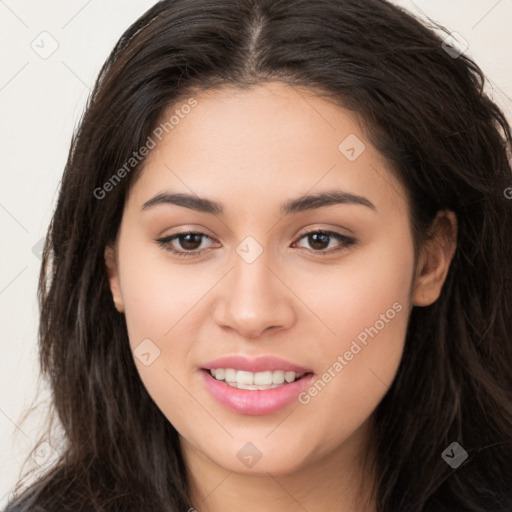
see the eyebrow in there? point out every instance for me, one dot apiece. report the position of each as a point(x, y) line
point(303, 203)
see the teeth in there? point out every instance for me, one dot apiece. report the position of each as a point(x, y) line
point(259, 380)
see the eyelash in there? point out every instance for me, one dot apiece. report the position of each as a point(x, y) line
point(165, 242)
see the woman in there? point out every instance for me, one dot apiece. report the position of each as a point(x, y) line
point(278, 273)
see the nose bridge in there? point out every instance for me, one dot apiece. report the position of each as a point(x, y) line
point(253, 298)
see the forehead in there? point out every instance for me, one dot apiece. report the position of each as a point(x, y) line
point(262, 143)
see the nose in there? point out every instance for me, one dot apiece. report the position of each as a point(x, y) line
point(254, 298)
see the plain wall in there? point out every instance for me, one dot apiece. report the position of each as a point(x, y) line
point(41, 99)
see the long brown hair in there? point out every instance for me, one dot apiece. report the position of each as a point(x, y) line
point(426, 111)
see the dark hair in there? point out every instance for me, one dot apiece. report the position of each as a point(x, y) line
point(426, 111)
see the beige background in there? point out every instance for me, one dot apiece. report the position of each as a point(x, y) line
point(40, 103)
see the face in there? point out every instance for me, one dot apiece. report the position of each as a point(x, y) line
point(324, 285)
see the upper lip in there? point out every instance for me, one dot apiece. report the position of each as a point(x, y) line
point(259, 364)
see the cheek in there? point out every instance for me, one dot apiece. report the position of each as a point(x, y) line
point(161, 301)
point(157, 294)
point(356, 370)
point(154, 302)
point(157, 307)
point(366, 305)
point(350, 296)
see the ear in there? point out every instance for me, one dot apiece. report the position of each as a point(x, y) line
point(435, 258)
point(113, 277)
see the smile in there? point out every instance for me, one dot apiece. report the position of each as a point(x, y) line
point(259, 398)
point(255, 381)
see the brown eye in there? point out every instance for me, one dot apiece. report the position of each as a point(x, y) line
point(319, 241)
point(188, 243)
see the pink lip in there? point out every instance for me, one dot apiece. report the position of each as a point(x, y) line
point(260, 364)
point(255, 402)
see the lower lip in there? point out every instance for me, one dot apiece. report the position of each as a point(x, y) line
point(255, 402)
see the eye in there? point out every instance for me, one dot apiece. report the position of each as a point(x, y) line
point(190, 242)
point(319, 238)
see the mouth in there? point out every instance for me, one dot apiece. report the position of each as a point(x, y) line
point(255, 385)
point(255, 381)
point(255, 399)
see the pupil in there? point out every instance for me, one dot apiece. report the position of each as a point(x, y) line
point(314, 244)
point(187, 241)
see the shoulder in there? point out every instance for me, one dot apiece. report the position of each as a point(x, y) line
point(22, 505)
point(30, 499)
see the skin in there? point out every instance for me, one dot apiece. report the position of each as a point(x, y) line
point(251, 150)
